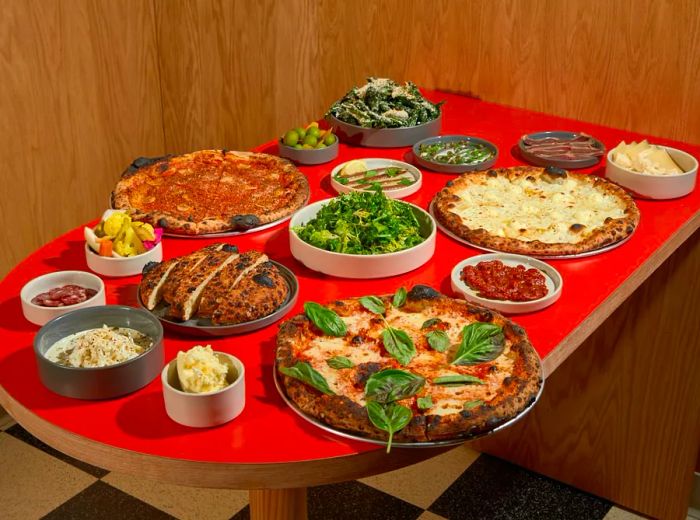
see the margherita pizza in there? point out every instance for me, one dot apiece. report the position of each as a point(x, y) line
point(536, 211)
point(418, 366)
point(211, 191)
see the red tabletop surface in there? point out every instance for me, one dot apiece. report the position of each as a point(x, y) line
point(267, 431)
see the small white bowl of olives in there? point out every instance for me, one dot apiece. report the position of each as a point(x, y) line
point(309, 145)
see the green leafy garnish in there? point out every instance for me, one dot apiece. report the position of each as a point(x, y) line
point(399, 297)
point(325, 319)
point(438, 340)
point(405, 182)
point(392, 172)
point(481, 342)
point(339, 362)
point(392, 384)
point(373, 304)
point(424, 403)
point(473, 404)
point(399, 345)
point(307, 374)
point(371, 173)
point(341, 179)
point(362, 223)
point(429, 323)
point(457, 379)
point(390, 417)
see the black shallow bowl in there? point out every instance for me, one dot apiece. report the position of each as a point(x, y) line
point(203, 327)
point(455, 168)
point(105, 382)
point(559, 163)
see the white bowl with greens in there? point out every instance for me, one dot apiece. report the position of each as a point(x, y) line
point(455, 153)
point(384, 114)
point(362, 235)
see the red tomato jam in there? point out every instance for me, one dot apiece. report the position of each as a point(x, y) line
point(496, 281)
point(62, 296)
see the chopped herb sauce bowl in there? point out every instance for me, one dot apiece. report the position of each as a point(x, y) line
point(480, 155)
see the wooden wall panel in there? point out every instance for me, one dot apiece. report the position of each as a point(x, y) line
point(79, 99)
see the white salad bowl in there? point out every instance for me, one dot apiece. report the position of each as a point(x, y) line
point(209, 408)
point(659, 187)
point(553, 281)
point(122, 266)
point(38, 314)
point(345, 265)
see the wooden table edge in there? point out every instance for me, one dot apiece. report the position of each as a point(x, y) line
point(215, 474)
point(596, 318)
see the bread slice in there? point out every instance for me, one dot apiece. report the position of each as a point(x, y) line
point(259, 293)
point(185, 301)
point(225, 280)
point(153, 279)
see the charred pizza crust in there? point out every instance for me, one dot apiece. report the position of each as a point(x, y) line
point(211, 191)
point(583, 238)
point(345, 411)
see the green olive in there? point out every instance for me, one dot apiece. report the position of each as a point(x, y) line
point(310, 140)
point(313, 130)
point(298, 146)
point(291, 138)
point(320, 145)
point(329, 139)
point(307, 147)
point(300, 132)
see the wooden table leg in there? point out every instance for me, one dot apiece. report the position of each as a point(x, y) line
point(620, 418)
point(278, 504)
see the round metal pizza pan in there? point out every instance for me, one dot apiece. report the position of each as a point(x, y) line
point(205, 328)
point(427, 444)
point(559, 163)
point(594, 252)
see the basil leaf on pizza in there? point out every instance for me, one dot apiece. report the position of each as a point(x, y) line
point(457, 379)
point(473, 404)
point(339, 362)
point(481, 342)
point(307, 374)
point(424, 403)
point(373, 304)
point(325, 319)
point(390, 417)
point(399, 345)
point(430, 322)
point(399, 297)
point(392, 385)
point(438, 340)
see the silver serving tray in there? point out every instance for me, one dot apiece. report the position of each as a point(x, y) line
point(541, 257)
point(427, 444)
point(204, 327)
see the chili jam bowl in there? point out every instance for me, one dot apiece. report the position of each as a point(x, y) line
point(38, 314)
point(553, 282)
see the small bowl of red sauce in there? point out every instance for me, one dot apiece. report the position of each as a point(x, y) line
point(511, 284)
point(51, 295)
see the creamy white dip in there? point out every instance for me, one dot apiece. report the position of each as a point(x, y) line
point(101, 347)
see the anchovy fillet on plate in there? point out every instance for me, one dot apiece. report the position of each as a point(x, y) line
point(581, 146)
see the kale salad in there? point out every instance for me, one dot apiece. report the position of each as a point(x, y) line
point(383, 103)
point(362, 223)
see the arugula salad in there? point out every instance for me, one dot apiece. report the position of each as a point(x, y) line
point(362, 223)
point(383, 103)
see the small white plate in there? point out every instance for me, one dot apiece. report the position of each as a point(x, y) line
point(553, 281)
point(372, 164)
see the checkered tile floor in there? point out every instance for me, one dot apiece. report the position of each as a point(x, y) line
point(37, 481)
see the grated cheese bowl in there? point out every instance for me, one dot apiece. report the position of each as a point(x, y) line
point(103, 382)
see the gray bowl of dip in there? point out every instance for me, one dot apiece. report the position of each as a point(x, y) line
point(103, 382)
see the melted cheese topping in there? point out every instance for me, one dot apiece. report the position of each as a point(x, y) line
point(363, 344)
point(529, 210)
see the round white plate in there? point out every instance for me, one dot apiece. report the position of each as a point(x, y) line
point(543, 257)
point(398, 193)
point(553, 281)
point(426, 444)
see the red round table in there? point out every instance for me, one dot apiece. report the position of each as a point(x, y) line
point(268, 446)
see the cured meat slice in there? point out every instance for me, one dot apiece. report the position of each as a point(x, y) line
point(225, 280)
point(186, 299)
point(259, 293)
